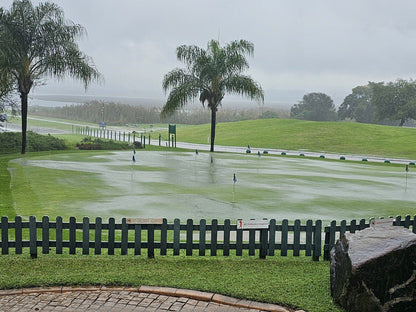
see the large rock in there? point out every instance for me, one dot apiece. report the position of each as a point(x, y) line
point(375, 270)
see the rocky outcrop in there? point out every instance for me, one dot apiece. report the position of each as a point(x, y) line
point(375, 270)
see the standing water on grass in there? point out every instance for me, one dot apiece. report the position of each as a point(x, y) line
point(201, 185)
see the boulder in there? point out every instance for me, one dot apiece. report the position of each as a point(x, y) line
point(375, 270)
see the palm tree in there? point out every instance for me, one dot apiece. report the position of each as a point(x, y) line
point(38, 42)
point(210, 74)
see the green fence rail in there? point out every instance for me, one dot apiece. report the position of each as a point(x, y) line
point(122, 136)
point(203, 237)
point(154, 235)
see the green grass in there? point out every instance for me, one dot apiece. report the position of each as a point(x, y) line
point(289, 134)
point(295, 282)
point(6, 198)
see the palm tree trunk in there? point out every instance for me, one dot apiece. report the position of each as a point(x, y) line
point(23, 97)
point(213, 124)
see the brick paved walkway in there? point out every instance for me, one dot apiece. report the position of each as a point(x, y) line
point(106, 299)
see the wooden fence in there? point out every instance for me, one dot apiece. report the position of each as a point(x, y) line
point(202, 237)
point(158, 234)
point(115, 135)
point(333, 232)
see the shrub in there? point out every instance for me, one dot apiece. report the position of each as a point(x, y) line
point(89, 143)
point(11, 142)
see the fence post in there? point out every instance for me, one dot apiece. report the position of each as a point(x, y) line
point(98, 229)
point(58, 233)
point(4, 236)
point(317, 240)
point(272, 237)
point(329, 239)
point(85, 236)
point(296, 238)
point(45, 234)
point(214, 232)
point(137, 239)
point(18, 234)
point(239, 243)
point(150, 241)
point(163, 237)
point(308, 250)
point(202, 235)
point(407, 221)
point(263, 243)
point(33, 237)
point(226, 248)
point(285, 229)
point(72, 235)
point(353, 226)
point(251, 242)
point(111, 235)
point(176, 236)
point(189, 238)
point(124, 236)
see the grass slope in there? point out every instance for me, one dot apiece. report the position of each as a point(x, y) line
point(289, 134)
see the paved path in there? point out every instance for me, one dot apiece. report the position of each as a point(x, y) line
point(104, 299)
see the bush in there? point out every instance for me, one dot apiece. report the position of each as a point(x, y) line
point(11, 142)
point(98, 144)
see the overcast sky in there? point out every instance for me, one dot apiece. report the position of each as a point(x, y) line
point(299, 46)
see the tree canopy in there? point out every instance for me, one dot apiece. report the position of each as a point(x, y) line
point(38, 42)
point(357, 105)
point(209, 75)
point(395, 101)
point(315, 107)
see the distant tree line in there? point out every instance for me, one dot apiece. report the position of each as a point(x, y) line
point(121, 114)
point(392, 103)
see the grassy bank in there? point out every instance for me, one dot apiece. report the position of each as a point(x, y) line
point(288, 134)
point(294, 282)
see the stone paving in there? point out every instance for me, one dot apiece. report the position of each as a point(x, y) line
point(107, 299)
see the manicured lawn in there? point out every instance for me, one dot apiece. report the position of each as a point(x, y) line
point(289, 134)
point(295, 282)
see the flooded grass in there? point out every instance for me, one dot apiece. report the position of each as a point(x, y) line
point(185, 185)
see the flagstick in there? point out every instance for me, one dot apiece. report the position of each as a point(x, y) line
point(234, 181)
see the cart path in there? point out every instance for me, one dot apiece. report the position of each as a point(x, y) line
point(145, 298)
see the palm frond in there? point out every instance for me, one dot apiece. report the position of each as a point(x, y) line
point(244, 85)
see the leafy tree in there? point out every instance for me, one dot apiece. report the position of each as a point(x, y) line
point(38, 42)
point(210, 74)
point(314, 106)
point(394, 100)
point(357, 105)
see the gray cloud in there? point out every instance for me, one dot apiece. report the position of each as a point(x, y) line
point(300, 46)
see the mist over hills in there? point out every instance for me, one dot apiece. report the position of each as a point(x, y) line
point(54, 100)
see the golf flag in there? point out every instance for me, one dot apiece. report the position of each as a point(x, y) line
point(235, 178)
point(134, 159)
point(407, 168)
point(196, 152)
point(134, 151)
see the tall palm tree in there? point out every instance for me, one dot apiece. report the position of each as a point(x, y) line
point(210, 74)
point(38, 42)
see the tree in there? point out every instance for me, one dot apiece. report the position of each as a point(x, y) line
point(314, 106)
point(38, 42)
point(357, 105)
point(395, 101)
point(210, 74)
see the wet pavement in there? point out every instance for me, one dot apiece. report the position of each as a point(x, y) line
point(145, 298)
